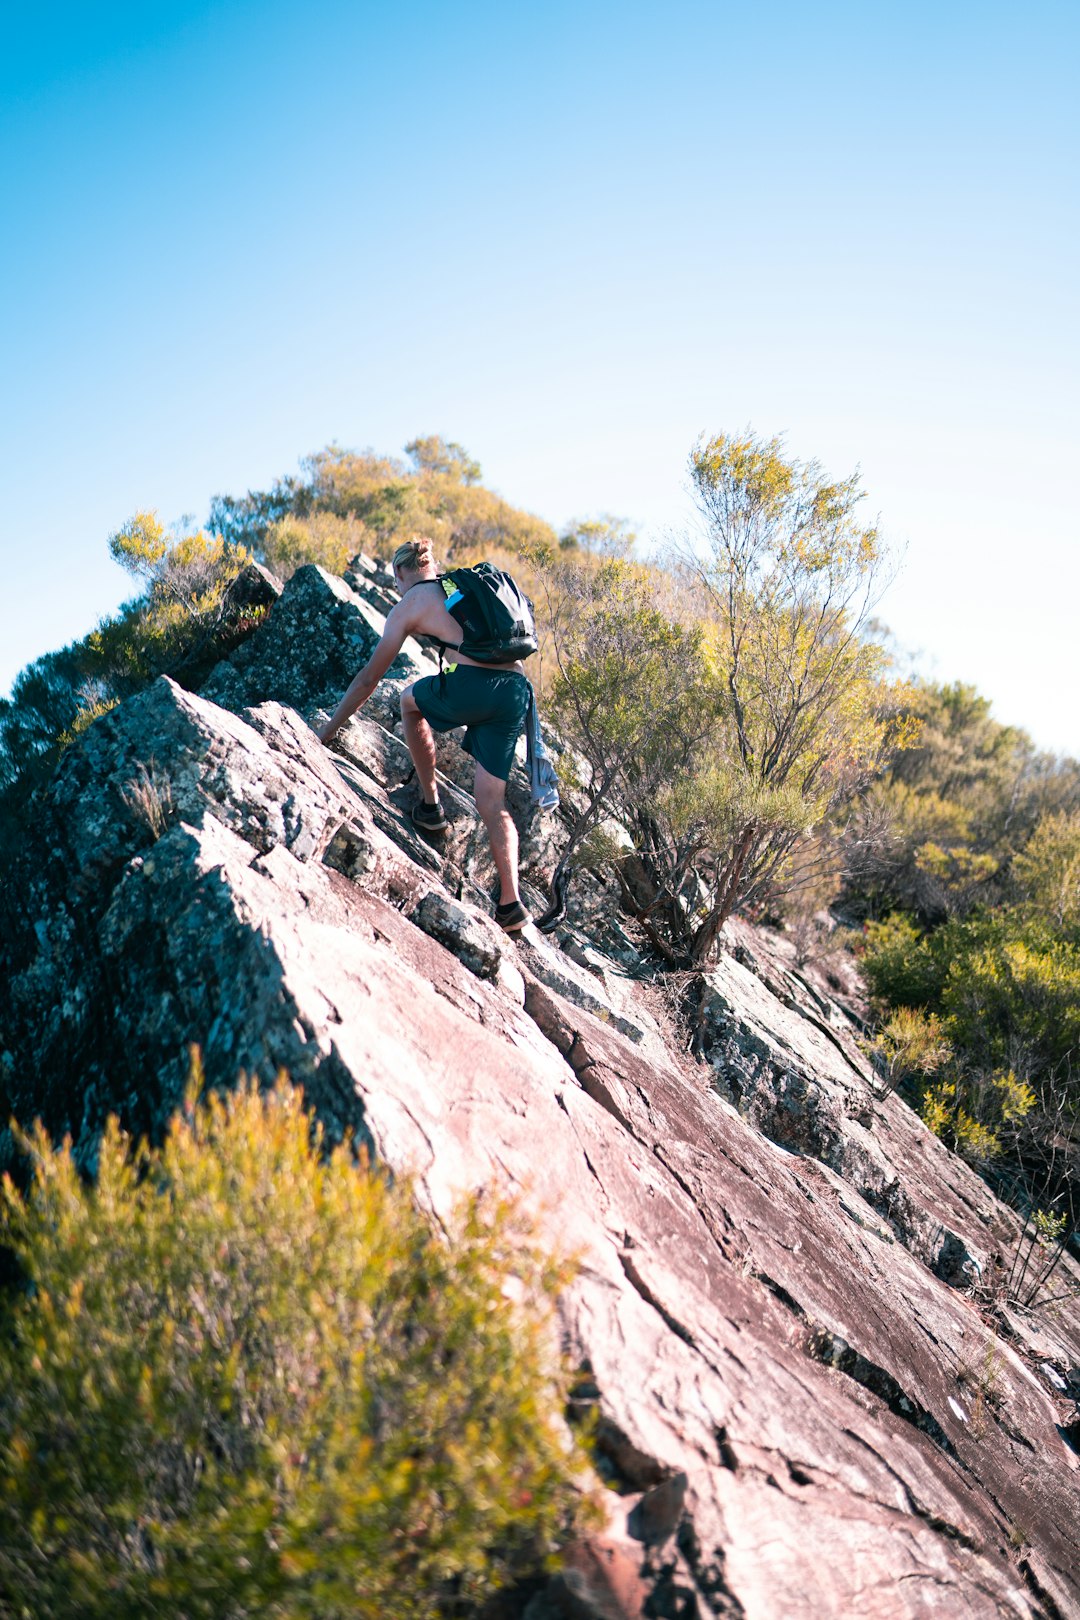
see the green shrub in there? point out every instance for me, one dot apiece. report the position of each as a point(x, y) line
point(970, 1113)
point(1007, 989)
point(1014, 1000)
point(250, 1378)
point(900, 963)
point(1047, 870)
point(909, 1043)
point(1004, 996)
point(322, 538)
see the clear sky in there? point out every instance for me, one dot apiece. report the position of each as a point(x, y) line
point(572, 237)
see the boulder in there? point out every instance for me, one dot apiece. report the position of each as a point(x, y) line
point(470, 936)
point(318, 634)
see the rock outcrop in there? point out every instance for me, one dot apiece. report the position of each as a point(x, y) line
point(808, 1401)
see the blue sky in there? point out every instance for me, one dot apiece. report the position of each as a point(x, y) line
point(572, 237)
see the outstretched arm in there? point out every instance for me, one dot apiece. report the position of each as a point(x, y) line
point(397, 628)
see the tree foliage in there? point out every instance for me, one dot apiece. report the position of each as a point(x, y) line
point(600, 537)
point(786, 716)
point(976, 865)
point(1047, 870)
point(386, 501)
point(955, 810)
point(249, 1378)
point(787, 577)
point(183, 606)
point(434, 455)
point(323, 537)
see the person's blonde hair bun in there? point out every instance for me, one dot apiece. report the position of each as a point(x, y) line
point(416, 554)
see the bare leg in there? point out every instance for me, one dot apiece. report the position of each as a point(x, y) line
point(490, 794)
point(421, 745)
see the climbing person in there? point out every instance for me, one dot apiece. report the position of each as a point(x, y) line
point(485, 689)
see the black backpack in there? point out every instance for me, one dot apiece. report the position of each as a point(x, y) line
point(495, 615)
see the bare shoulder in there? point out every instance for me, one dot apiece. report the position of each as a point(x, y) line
point(423, 610)
point(405, 616)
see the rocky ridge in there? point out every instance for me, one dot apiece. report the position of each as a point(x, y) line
point(812, 1397)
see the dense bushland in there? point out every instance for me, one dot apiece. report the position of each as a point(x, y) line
point(246, 1377)
point(969, 882)
point(943, 826)
point(347, 502)
point(1001, 986)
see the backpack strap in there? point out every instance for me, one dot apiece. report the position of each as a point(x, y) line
point(450, 594)
point(443, 646)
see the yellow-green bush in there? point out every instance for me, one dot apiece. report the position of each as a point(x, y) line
point(322, 538)
point(1015, 1000)
point(901, 963)
point(969, 1113)
point(439, 495)
point(1047, 870)
point(910, 1043)
point(189, 573)
point(94, 709)
point(247, 1377)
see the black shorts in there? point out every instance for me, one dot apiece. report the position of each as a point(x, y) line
point(491, 703)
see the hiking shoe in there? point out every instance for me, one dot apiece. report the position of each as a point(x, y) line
point(512, 917)
point(429, 818)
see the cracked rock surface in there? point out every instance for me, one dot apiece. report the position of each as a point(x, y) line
point(800, 1409)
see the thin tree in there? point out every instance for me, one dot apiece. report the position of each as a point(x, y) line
point(787, 578)
point(801, 720)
